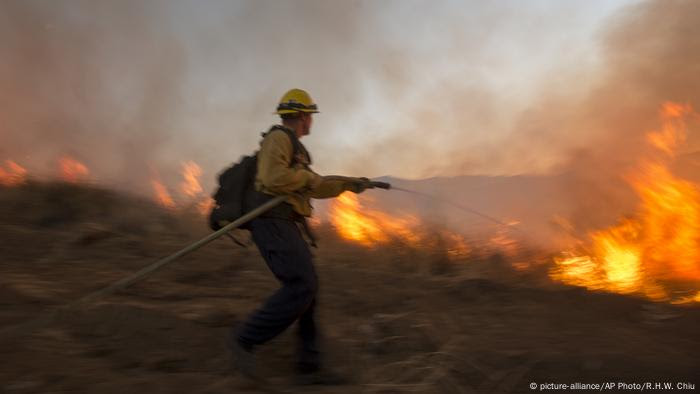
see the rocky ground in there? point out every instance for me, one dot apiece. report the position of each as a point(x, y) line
point(395, 319)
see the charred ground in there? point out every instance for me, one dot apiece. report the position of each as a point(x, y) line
point(395, 319)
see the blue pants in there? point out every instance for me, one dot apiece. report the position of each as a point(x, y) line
point(287, 255)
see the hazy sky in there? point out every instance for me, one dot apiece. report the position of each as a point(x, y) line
point(405, 88)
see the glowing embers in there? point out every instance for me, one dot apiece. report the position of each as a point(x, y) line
point(656, 252)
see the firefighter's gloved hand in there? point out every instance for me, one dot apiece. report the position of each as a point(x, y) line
point(358, 186)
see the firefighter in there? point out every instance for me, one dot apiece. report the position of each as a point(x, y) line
point(284, 169)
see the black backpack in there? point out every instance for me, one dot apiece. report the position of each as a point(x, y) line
point(236, 194)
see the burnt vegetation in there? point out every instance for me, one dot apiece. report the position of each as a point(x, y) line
point(395, 318)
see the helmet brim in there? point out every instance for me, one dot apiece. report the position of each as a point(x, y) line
point(294, 111)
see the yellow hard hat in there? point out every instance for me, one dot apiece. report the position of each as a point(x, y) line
point(296, 100)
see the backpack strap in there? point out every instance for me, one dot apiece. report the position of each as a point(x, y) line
point(297, 150)
point(297, 147)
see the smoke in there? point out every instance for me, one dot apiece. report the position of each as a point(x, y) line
point(586, 125)
point(651, 56)
point(587, 115)
point(95, 80)
point(133, 89)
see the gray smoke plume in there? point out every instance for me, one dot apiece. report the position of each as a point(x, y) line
point(99, 81)
point(651, 56)
point(406, 88)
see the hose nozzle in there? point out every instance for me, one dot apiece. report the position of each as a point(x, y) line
point(380, 185)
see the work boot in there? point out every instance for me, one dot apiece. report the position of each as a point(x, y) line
point(322, 376)
point(243, 361)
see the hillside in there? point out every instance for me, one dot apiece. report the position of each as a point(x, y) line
point(537, 202)
point(399, 318)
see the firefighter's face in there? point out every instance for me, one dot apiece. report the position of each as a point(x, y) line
point(306, 120)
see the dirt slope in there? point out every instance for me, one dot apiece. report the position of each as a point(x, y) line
point(394, 320)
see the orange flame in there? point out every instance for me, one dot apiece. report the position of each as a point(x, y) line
point(205, 206)
point(162, 196)
point(72, 170)
point(189, 187)
point(191, 173)
point(369, 227)
point(660, 246)
point(503, 241)
point(13, 174)
point(673, 132)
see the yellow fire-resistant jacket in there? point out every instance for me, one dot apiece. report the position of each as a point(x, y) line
point(276, 177)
